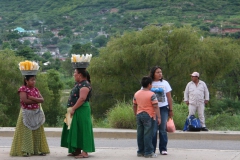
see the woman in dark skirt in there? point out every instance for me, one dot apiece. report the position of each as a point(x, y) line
point(77, 133)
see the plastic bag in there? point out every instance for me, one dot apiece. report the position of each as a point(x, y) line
point(170, 125)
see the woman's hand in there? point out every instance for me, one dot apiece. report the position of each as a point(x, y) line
point(170, 113)
point(72, 112)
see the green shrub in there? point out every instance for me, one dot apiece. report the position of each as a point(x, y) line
point(223, 122)
point(180, 112)
point(101, 123)
point(122, 116)
point(225, 105)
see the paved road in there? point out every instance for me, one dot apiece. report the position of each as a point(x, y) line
point(125, 149)
point(125, 143)
point(120, 144)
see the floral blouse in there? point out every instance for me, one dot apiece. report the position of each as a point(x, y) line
point(74, 95)
point(34, 92)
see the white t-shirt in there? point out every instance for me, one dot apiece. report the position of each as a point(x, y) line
point(162, 98)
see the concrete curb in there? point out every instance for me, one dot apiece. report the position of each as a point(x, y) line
point(131, 134)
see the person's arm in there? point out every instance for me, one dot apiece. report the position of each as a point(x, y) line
point(135, 109)
point(25, 98)
point(206, 94)
point(157, 111)
point(83, 92)
point(186, 93)
point(37, 99)
point(170, 104)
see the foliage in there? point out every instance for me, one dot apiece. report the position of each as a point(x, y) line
point(122, 116)
point(47, 55)
point(126, 59)
point(66, 32)
point(224, 105)
point(114, 16)
point(229, 86)
point(180, 114)
point(55, 108)
point(101, 123)
point(223, 122)
point(83, 49)
point(101, 41)
point(66, 67)
point(47, 94)
point(11, 80)
point(27, 53)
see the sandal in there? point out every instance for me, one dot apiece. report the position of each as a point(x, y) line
point(26, 155)
point(42, 154)
point(82, 155)
point(76, 153)
point(73, 154)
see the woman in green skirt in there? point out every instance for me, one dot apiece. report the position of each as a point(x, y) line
point(77, 133)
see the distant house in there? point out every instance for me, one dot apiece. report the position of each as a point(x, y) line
point(21, 30)
point(102, 33)
point(214, 30)
point(53, 49)
point(55, 32)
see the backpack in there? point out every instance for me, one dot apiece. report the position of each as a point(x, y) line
point(192, 124)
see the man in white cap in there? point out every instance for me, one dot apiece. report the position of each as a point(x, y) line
point(196, 95)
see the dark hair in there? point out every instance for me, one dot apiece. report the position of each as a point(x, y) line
point(26, 78)
point(146, 81)
point(153, 70)
point(84, 73)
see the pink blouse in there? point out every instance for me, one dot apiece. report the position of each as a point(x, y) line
point(34, 92)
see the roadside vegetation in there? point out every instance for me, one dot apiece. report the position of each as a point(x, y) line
point(117, 70)
point(121, 116)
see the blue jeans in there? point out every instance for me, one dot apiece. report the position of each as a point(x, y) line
point(145, 126)
point(163, 138)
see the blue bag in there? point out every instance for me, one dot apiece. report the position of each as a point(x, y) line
point(192, 124)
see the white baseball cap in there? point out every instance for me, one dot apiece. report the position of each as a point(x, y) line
point(195, 74)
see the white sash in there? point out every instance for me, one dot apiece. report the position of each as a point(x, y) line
point(33, 119)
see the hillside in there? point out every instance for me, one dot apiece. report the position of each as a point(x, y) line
point(116, 16)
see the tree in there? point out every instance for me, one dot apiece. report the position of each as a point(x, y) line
point(55, 40)
point(66, 67)
point(47, 55)
point(11, 80)
point(55, 85)
point(12, 35)
point(100, 40)
point(26, 43)
point(6, 45)
point(64, 47)
point(27, 53)
point(83, 49)
point(46, 38)
point(66, 32)
point(118, 69)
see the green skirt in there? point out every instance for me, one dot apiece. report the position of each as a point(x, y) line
point(26, 141)
point(80, 134)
